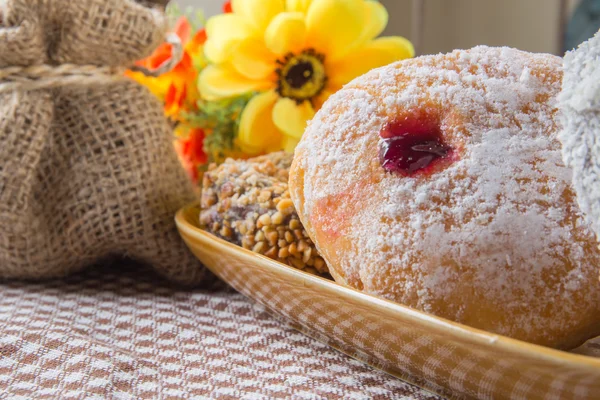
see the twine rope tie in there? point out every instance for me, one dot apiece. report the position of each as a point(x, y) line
point(46, 76)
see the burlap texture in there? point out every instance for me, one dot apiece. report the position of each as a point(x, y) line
point(86, 171)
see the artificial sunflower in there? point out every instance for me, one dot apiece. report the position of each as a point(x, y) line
point(294, 54)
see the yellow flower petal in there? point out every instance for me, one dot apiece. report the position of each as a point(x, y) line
point(376, 53)
point(376, 19)
point(291, 118)
point(220, 81)
point(224, 32)
point(257, 132)
point(286, 33)
point(158, 86)
point(253, 60)
point(290, 143)
point(245, 149)
point(335, 26)
point(323, 96)
point(258, 13)
point(297, 5)
point(217, 53)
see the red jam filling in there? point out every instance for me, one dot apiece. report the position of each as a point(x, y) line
point(411, 146)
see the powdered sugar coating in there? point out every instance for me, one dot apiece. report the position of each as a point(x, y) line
point(579, 104)
point(494, 240)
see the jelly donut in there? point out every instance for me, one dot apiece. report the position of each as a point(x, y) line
point(438, 183)
point(579, 113)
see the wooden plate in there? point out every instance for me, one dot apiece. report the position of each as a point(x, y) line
point(442, 356)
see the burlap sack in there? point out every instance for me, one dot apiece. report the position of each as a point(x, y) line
point(87, 166)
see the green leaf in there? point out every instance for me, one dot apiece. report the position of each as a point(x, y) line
point(195, 16)
point(222, 119)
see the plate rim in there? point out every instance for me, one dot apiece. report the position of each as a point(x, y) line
point(188, 226)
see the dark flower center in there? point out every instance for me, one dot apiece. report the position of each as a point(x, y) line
point(301, 76)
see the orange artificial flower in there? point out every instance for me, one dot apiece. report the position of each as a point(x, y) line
point(194, 46)
point(190, 149)
point(178, 91)
point(177, 88)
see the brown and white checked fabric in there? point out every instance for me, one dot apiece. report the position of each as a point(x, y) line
point(87, 164)
point(411, 352)
point(121, 332)
point(451, 365)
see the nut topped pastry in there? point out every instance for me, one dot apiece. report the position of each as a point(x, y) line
point(247, 202)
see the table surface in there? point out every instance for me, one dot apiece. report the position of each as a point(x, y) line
point(121, 331)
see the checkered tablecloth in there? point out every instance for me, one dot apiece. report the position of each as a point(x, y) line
point(120, 331)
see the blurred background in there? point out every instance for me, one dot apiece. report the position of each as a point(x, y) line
point(548, 26)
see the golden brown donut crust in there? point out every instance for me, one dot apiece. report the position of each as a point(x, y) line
point(494, 240)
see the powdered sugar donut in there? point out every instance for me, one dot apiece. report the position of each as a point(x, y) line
point(438, 183)
point(579, 104)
